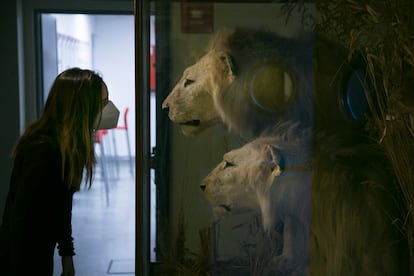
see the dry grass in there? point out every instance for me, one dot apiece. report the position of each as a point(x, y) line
point(383, 33)
point(178, 260)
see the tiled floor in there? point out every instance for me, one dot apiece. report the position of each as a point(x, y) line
point(104, 236)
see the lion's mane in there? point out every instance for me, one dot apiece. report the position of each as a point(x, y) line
point(248, 48)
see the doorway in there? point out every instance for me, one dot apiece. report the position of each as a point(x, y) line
point(103, 217)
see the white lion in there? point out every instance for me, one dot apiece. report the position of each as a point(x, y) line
point(248, 79)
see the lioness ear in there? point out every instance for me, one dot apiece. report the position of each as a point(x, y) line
point(273, 159)
point(228, 62)
point(276, 171)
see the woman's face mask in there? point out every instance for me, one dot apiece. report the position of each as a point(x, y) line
point(109, 117)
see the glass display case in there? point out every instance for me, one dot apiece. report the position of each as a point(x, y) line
point(256, 152)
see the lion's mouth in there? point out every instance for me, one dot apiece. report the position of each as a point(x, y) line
point(191, 123)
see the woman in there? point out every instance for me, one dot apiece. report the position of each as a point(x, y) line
point(49, 160)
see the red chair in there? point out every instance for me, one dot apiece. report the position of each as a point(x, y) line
point(99, 135)
point(125, 128)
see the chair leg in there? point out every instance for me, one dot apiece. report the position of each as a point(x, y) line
point(104, 173)
point(115, 155)
point(131, 166)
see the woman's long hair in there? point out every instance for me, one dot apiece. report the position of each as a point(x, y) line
point(73, 105)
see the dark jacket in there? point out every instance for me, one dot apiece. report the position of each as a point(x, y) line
point(37, 214)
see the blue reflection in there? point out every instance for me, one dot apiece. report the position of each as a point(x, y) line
point(353, 98)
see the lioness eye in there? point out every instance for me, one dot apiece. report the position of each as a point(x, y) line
point(188, 82)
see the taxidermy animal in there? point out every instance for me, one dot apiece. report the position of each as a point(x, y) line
point(271, 175)
point(246, 79)
point(254, 81)
point(333, 196)
point(250, 79)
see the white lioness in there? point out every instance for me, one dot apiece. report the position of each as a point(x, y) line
point(271, 174)
point(330, 188)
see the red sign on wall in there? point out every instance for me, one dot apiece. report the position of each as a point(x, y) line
point(197, 17)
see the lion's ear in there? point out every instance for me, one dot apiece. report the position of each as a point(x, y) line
point(228, 62)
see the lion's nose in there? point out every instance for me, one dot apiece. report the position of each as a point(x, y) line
point(203, 186)
point(165, 106)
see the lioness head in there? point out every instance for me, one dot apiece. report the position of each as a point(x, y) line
point(251, 177)
point(239, 182)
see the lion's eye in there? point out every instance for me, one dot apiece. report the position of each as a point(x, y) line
point(188, 82)
point(227, 164)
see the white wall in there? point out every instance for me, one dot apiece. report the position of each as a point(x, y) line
point(114, 58)
point(74, 40)
point(79, 26)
